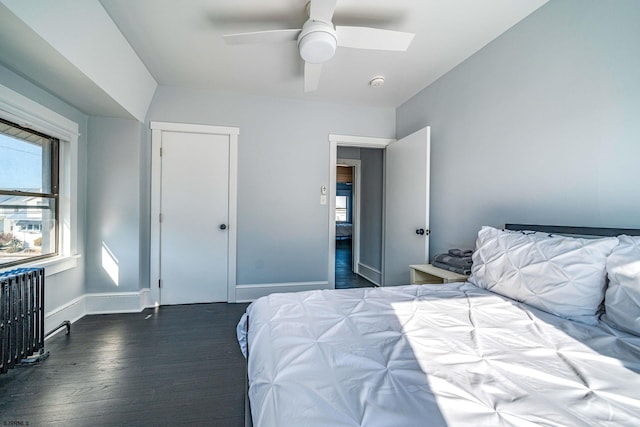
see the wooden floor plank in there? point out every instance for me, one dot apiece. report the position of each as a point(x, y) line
point(172, 365)
point(345, 278)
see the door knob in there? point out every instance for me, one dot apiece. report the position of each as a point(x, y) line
point(420, 231)
point(223, 226)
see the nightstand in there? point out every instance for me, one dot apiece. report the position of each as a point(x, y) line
point(428, 274)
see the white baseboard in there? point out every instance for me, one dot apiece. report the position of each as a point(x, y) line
point(72, 311)
point(370, 273)
point(146, 299)
point(113, 302)
point(248, 293)
point(98, 303)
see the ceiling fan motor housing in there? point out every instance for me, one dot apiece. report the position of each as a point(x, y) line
point(317, 42)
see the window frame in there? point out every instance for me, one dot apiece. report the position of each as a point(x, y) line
point(17, 108)
point(54, 176)
point(346, 209)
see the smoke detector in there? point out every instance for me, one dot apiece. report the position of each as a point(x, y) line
point(376, 81)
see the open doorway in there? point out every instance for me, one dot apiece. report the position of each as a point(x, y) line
point(367, 242)
point(388, 242)
point(358, 218)
point(347, 220)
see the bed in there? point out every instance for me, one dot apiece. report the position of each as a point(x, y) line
point(458, 354)
point(344, 230)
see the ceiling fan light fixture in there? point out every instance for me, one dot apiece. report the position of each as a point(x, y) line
point(317, 42)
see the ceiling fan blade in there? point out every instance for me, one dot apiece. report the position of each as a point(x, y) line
point(356, 17)
point(243, 18)
point(322, 10)
point(271, 36)
point(311, 76)
point(373, 38)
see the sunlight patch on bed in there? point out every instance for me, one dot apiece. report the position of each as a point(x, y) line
point(404, 312)
point(631, 269)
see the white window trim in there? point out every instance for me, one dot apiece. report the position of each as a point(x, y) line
point(27, 113)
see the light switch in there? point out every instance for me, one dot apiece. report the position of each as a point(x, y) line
point(323, 189)
point(323, 200)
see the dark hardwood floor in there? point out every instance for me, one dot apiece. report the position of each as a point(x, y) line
point(181, 365)
point(167, 366)
point(345, 277)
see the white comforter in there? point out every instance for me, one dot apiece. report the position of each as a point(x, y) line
point(433, 355)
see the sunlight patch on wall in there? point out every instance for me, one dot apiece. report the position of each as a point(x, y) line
point(110, 264)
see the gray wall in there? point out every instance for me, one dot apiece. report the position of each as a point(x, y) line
point(348, 153)
point(113, 209)
point(371, 204)
point(282, 230)
point(540, 126)
point(63, 287)
point(144, 166)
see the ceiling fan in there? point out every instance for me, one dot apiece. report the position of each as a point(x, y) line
point(318, 39)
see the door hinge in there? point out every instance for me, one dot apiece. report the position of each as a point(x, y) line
point(159, 283)
point(160, 217)
point(160, 151)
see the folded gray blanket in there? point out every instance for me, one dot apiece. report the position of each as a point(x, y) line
point(460, 262)
point(459, 270)
point(460, 253)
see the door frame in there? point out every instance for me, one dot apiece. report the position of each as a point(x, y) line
point(336, 141)
point(157, 128)
point(355, 208)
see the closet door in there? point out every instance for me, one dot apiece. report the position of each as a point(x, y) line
point(194, 234)
point(406, 206)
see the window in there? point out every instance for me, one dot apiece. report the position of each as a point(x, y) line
point(28, 194)
point(341, 208)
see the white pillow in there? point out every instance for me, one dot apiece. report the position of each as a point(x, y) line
point(561, 275)
point(622, 300)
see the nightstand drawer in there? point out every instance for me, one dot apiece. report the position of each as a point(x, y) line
point(428, 274)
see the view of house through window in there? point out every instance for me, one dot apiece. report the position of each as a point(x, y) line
point(28, 194)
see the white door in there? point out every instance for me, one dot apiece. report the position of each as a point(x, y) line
point(406, 232)
point(194, 207)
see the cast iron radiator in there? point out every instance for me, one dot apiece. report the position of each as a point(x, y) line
point(21, 316)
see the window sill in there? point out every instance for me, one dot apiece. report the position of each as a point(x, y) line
point(52, 265)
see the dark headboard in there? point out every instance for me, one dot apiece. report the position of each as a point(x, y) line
point(586, 231)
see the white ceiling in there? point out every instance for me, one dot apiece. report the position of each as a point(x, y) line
point(181, 44)
point(26, 53)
